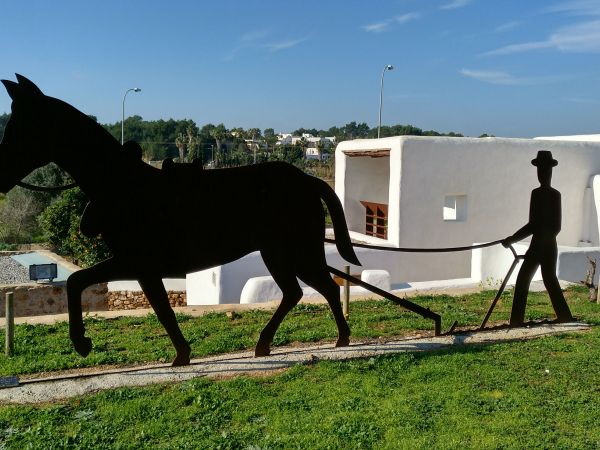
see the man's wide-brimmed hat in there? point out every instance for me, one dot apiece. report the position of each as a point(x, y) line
point(544, 158)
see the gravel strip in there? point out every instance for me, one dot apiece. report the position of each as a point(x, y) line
point(243, 363)
point(11, 272)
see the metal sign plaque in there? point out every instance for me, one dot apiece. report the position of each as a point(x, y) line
point(6, 382)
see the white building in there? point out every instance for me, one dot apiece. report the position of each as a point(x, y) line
point(284, 139)
point(430, 192)
point(443, 192)
point(310, 141)
point(575, 137)
point(255, 144)
point(316, 153)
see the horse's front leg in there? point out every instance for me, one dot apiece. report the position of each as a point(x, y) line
point(76, 283)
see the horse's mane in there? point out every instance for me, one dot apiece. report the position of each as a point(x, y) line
point(92, 133)
point(82, 122)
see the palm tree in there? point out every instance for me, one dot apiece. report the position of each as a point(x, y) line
point(192, 143)
point(302, 143)
point(219, 133)
point(180, 143)
point(320, 150)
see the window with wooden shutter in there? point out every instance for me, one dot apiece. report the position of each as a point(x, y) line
point(376, 216)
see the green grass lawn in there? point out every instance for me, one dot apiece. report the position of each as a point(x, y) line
point(542, 393)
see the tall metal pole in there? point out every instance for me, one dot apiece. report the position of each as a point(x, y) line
point(388, 67)
point(123, 116)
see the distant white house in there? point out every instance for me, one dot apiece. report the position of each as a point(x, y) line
point(284, 139)
point(255, 144)
point(316, 153)
point(314, 145)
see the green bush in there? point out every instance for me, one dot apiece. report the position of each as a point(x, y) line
point(60, 222)
point(20, 208)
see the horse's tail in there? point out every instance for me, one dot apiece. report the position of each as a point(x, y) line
point(340, 227)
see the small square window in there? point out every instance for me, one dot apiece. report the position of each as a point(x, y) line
point(455, 208)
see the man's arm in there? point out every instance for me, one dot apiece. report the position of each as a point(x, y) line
point(519, 235)
point(528, 228)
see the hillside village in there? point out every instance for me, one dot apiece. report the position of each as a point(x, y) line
point(314, 147)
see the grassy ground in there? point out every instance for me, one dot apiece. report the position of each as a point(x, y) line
point(535, 394)
point(130, 340)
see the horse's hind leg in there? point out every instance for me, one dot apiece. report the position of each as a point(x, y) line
point(319, 278)
point(292, 293)
point(158, 298)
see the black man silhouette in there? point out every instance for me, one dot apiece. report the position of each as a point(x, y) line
point(543, 226)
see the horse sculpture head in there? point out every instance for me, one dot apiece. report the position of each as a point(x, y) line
point(28, 141)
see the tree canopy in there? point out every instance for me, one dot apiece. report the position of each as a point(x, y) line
point(162, 139)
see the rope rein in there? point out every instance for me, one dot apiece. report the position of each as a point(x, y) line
point(422, 250)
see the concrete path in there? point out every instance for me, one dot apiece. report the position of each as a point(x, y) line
point(61, 387)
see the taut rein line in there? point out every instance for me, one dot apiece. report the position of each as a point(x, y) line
point(421, 250)
point(33, 187)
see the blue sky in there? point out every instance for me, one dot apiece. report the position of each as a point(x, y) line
point(517, 68)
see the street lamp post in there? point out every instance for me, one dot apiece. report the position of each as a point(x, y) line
point(388, 67)
point(123, 116)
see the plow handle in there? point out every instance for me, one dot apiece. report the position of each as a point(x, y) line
point(502, 286)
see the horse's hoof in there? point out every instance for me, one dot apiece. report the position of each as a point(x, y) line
point(83, 345)
point(262, 350)
point(181, 360)
point(343, 342)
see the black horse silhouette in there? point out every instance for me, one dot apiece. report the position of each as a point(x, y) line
point(166, 223)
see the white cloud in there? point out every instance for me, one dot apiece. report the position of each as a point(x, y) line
point(577, 7)
point(490, 76)
point(519, 48)
point(507, 79)
point(507, 26)
point(407, 17)
point(579, 38)
point(377, 27)
point(283, 45)
point(255, 35)
point(455, 4)
point(257, 40)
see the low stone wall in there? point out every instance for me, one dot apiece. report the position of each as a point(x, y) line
point(137, 300)
point(36, 299)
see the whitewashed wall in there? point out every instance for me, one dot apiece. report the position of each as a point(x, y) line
point(171, 284)
point(496, 176)
point(224, 284)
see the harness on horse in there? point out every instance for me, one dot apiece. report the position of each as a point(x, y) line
point(131, 148)
point(33, 187)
